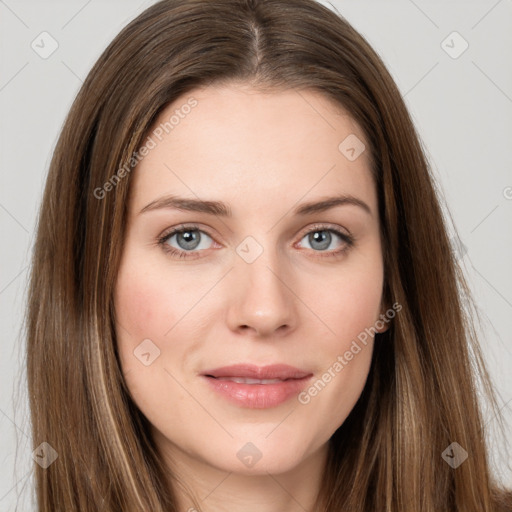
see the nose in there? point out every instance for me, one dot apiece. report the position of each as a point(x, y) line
point(262, 301)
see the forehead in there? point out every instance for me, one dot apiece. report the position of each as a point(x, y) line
point(234, 142)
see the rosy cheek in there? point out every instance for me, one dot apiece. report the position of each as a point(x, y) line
point(137, 303)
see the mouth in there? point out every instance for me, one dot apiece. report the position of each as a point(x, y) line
point(254, 387)
point(242, 380)
point(250, 371)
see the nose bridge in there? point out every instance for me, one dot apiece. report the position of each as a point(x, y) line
point(262, 299)
point(260, 261)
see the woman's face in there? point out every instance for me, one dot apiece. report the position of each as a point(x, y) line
point(254, 283)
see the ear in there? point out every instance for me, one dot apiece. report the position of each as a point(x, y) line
point(382, 325)
point(384, 321)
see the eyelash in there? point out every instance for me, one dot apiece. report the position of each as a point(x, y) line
point(348, 239)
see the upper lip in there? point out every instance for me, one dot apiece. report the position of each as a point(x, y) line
point(274, 371)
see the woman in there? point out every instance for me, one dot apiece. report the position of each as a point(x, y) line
point(207, 353)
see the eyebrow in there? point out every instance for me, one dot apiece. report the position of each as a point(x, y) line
point(222, 209)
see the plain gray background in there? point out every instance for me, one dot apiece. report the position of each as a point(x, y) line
point(461, 102)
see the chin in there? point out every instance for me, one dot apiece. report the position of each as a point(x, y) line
point(271, 463)
point(258, 457)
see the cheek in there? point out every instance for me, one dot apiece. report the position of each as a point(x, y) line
point(137, 303)
point(145, 304)
point(142, 313)
point(349, 307)
point(145, 311)
point(346, 359)
point(349, 303)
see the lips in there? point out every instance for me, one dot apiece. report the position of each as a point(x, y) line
point(255, 387)
point(243, 380)
point(250, 371)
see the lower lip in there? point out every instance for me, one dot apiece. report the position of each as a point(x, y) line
point(258, 396)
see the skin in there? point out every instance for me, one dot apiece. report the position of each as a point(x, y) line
point(263, 154)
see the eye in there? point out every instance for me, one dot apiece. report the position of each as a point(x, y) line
point(321, 238)
point(187, 238)
point(191, 237)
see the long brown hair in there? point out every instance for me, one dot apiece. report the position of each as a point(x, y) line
point(421, 393)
